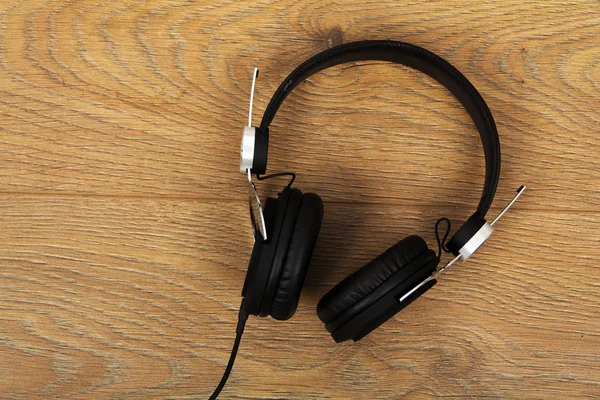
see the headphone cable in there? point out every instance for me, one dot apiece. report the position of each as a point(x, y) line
point(239, 330)
point(442, 242)
point(290, 174)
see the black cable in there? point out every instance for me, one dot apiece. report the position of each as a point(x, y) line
point(291, 174)
point(442, 243)
point(242, 318)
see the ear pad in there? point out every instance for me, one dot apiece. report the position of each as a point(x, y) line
point(375, 309)
point(297, 259)
point(263, 252)
point(280, 248)
point(366, 280)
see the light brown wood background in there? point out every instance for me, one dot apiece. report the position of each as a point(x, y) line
point(124, 234)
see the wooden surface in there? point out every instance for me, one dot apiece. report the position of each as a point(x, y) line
point(123, 229)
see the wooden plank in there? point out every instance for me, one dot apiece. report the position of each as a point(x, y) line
point(137, 298)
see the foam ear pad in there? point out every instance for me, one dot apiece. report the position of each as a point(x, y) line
point(299, 253)
point(275, 264)
point(364, 281)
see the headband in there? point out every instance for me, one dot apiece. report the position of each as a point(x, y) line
point(411, 56)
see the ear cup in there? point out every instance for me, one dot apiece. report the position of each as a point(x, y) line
point(381, 305)
point(297, 260)
point(366, 280)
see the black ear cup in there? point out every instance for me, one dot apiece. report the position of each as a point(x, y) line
point(299, 252)
point(278, 266)
point(361, 294)
point(364, 281)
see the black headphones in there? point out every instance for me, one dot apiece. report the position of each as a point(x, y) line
point(287, 230)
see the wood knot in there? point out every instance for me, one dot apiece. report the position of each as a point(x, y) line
point(335, 38)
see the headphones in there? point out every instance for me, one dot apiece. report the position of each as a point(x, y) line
point(286, 231)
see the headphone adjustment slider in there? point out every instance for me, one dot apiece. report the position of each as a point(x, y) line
point(249, 136)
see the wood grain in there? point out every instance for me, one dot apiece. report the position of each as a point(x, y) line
point(124, 232)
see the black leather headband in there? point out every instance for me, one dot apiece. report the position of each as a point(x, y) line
point(424, 61)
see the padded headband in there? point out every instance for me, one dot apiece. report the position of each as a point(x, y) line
point(424, 61)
